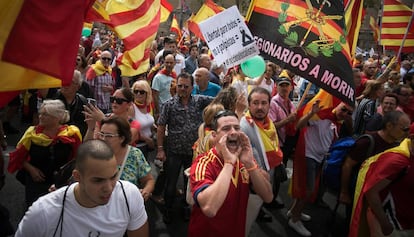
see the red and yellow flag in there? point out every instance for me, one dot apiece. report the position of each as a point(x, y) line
point(136, 24)
point(166, 9)
point(208, 9)
point(374, 27)
point(395, 19)
point(175, 28)
point(353, 10)
point(38, 45)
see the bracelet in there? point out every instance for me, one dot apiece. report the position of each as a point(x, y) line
point(228, 162)
point(255, 167)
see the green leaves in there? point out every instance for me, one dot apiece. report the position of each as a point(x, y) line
point(282, 17)
point(284, 6)
point(282, 30)
point(312, 49)
point(337, 47)
point(292, 39)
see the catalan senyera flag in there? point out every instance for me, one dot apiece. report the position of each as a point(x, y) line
point(136, 24)
point(395, 19)
point(166, 9)
point(175, 28)
point(38, 44)
point(307, 38)
point(353, 19)
point(208, 9)
point(374, 27)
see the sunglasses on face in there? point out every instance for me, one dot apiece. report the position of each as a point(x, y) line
point(347, 111)
point(106, 59)
point(141, 92)
point(119, 101)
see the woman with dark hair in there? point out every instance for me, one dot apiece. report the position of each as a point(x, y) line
point(121, 101)
point(133, 167)
point(43, 149)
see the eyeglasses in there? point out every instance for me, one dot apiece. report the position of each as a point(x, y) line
point(119, 101)
point(102, 135)
point(106, 59)
point(141, 92)
point(344, 109)
point(181, 86)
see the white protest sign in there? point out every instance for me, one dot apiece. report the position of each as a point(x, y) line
point(228, 37)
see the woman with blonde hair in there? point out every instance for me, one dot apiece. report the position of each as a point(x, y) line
point(142, 110)
point(43, 149)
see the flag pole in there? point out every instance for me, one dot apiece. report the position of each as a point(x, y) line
point(406, 32)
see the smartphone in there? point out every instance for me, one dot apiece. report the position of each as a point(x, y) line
point(91, 101)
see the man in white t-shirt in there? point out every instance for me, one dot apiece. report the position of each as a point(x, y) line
point(97, 205)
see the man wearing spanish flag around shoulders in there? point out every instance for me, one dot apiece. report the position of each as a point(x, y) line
point(383, 204)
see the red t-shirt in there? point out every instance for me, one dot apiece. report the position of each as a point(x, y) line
point(230, 220)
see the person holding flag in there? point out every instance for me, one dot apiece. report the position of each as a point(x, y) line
point(316, 137)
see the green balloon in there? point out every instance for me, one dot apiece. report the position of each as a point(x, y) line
point(86, 32)
point(254, 66)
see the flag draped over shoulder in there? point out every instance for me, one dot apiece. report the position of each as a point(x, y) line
point(307, 38)
point(353, 10)
point(208, 9)
point(374, 27)
point(367, 178)
point(395, 19)
point(136, 24)
point(38, 44)
point(166, 10)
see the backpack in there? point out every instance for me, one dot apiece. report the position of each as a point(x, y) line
point(331, 173)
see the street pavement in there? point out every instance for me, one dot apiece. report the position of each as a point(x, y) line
point(323, 223)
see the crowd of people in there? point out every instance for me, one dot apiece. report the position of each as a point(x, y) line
point(233, 135)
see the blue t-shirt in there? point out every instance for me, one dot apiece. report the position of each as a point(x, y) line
point(212, 90)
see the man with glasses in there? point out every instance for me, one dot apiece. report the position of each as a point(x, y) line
point(395, 126)
point(221, 180)
point(182, 114)
point(384, 193)
point(99, 78)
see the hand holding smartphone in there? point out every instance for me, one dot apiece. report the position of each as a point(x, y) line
point(91, 101)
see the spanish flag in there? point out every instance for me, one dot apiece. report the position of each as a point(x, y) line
point(136, 24)
point(395, 23)
point(166, 10)
point(208, 9)
point(373, 170)
point(374, 27)
point(307, 38)
point(175, 28)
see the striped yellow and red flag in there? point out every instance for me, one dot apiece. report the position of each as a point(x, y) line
point(374, 27)
point(38, 44)
point(395, 19)
point(208, 9)
point(136, 24)
point(353, 10)
point(166, 9)
point(175, 28)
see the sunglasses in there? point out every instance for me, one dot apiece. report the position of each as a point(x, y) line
point(185, 86)
point(349, 112)
point(141, 92)
point(106, 59)
point(119, 101)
